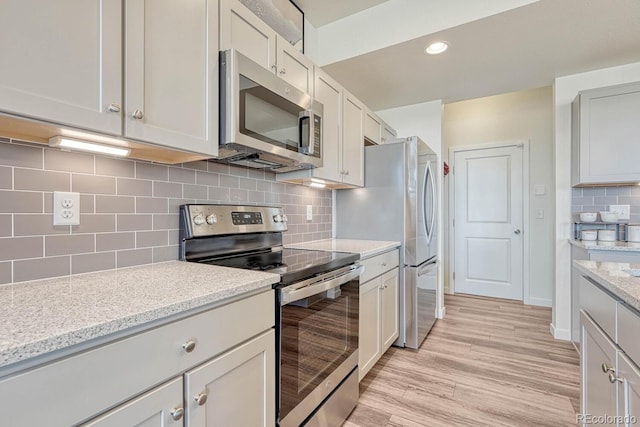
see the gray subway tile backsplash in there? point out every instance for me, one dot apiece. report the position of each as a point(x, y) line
point(6, 178)
point(129, 208)
point(594, 199)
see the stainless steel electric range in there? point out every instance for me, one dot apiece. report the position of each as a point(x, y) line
point(316, 306)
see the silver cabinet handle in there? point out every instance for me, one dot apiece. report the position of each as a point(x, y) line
point(114, 108)
point(177, 413)
point(189, 346)
point(613, 379)
point(283, 71)
point(137, 114)
point(606, 368)
point(201, 399)
point(516, 231)
point(274, 68)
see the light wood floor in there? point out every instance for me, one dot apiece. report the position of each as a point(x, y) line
point(490, 362)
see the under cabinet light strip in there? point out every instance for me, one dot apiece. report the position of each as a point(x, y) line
point(74, 144)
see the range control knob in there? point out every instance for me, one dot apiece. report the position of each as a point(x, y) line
point(198, 219)
point(277, 218)
point(212, 219)
point(284, 218)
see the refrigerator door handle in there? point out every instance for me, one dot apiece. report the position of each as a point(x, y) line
point(428, 223)
point(426, 268)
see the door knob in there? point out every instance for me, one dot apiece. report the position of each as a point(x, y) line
point(516, 231)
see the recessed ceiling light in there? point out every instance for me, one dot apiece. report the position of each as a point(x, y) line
point(436, 48)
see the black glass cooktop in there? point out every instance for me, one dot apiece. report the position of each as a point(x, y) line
point(292, 265)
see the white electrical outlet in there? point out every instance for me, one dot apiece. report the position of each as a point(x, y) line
point(624, 211)
point(309, 212)
point(66, 208)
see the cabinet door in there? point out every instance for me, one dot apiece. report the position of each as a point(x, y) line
point(369, 322)
point(389, 309)
point(156, 408)
point(629, 390)
point(239, 387)
point(388, 133)
point(71, 71)
point(352, 140)
point(293, 66)
point(242, 30)
point(609, 131)
point(372, 127)
point(598, 395)
point(328, 92)
point(171, 70)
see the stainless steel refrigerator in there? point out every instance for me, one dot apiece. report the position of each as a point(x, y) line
point(398, 203)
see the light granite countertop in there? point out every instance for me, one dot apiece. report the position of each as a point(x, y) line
point(606, 246)
point(43, 316)
point(613, 277)
point(366, 248)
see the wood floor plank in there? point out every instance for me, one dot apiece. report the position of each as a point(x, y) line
point(490, 362)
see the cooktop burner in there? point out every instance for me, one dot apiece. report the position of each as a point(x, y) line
point(292, 265)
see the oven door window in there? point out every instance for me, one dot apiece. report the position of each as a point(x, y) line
point(266, 116)
point(318, 334)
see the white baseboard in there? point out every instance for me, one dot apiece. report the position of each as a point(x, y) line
point(441, 313)
point(560, 334)
point(542, 302)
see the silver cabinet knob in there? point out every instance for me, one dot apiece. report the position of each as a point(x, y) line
point(606, 368)
point(384, 264)
point(346, 172)
point(274, 68)
point(177, 413)
point(613, 379)
point(189, 346)
point(283, 72)
point(114, 108)
point(137, 114)
point(201, 399)
point(516, 231)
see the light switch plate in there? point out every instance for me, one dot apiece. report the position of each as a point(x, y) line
point(540, 189)
point(66, 208)
point(624, 211)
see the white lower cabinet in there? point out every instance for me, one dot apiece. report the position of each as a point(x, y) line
point(160, 407)
point(378, 309)
point(610, 377)
point(235, 389)
point(599, 397)
point(225, 355)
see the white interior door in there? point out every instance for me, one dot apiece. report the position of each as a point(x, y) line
point(489, 222)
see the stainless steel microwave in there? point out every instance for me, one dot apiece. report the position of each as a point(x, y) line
point(265, 122)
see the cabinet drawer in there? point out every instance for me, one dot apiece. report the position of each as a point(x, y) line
point(379, 264)
point(628, 327)
point(77, 387)
point(600, 306)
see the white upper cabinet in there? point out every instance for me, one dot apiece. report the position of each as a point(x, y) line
point(372, 127)
point(244, 31)
point(606, 135)
point(388, 133)
point(352, 140)
point(171, 73)
point(328, 92)
point(62, 62)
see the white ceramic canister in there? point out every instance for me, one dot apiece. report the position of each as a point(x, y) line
point(606, 235)
point(633, 233)
point(588, 235)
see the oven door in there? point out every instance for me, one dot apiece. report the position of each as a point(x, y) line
point(318, 341)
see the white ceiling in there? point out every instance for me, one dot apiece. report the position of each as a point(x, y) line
point(519, 49)
point(322, 12)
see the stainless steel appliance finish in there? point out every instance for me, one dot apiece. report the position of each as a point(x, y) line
point(398, 202)
point(317, 304)
point(265, 122)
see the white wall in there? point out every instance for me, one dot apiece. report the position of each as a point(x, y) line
point(525, 115)
point(425, 121)
point(565, 90)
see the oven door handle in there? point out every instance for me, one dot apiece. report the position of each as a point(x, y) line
point(291, 295)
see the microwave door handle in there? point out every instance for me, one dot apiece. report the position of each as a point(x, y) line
point(304, 136)
point(292, 295)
